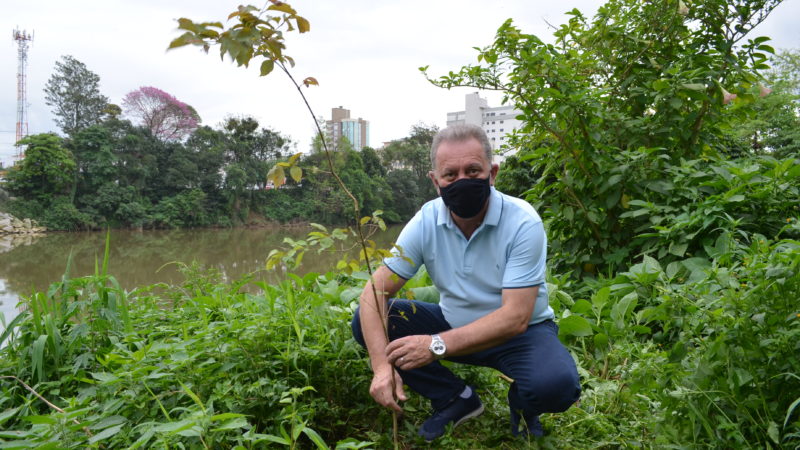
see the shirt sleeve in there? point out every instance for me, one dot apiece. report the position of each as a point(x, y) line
point(408, 249)
point(527, 259)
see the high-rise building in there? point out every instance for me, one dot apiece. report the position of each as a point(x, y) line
point(341, 125)
point(498, 122)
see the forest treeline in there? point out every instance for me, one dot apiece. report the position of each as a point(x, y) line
point(149, 163)
point(118, 174)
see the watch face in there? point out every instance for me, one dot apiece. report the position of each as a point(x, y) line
point(437, 346)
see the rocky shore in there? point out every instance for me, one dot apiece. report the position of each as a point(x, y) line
point(11, 225)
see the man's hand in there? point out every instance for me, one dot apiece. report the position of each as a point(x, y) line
point(381, 389)
point(410, 352)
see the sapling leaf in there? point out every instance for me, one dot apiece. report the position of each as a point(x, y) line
point(267, 66)
point(296, 173)
point(575, 325)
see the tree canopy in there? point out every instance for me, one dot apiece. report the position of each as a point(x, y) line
point(74, 93)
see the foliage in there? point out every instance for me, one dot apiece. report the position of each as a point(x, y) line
point(122, 173)
point(413, 153)
point(47, 171)
point(773, 125)
point(127, 376)
point(639, 79)
point(515, 176)
point(73, 92)
point(186, 209)
point(165, 116)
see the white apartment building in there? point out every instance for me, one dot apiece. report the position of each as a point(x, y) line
point(342, 125)
point(498, 122)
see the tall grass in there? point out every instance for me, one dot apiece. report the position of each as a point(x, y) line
point(695, 354)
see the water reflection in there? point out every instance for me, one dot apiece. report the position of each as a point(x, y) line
point(139, 258)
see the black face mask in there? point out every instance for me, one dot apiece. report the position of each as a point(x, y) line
point(466, 197)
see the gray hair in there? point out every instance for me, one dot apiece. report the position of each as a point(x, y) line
point(459, 133)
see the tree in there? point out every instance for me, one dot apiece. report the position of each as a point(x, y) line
point(773, 125)
point(46, 171)
point(614, 103)
point(165, 116)
point(413, 153)
point(73, 92)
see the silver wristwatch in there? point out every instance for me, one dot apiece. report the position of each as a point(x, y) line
point(438, 348)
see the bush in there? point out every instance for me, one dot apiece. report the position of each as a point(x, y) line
point(61, 214)
point(186, 209)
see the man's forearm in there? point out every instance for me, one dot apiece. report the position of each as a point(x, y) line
point(495, 328)
point(373, 314)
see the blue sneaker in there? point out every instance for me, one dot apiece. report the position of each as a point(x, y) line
point(531, 426)
point(457, 412)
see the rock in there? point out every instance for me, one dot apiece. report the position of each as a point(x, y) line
point(26, 223)
point(4, 222)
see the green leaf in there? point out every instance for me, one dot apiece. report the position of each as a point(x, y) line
point(581, 307)
point(601, 340)
point(773, 433)
point(766, 48)
point(105, 377)
point(600, 298)
point(788, 412)
point(678, 249)
point(184, 39)
point(622, 308)
point(660, 85)
point(174, 427)
point(193, 396)
point(272, 438)
point(575, 325)
point(282, 7)
point(105, 434)
point(226, 416)
point(7, 414)
point(267, 66)
point(107, 422)
point(296, 173)
point(39, 420)
point(427, 294)
point(694, 86)
point(315, 438)
point(302, 24)
point(233, 424)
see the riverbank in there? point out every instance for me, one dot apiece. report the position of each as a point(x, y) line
point(215, 364)
point(10, 225)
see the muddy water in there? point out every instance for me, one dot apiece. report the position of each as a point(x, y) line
point(140, 258)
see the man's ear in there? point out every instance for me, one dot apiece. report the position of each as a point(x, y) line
point(493, 172)
point(432, 176)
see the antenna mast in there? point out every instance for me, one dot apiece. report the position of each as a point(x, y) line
point(23, 40)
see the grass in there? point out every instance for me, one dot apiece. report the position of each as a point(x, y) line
point(704, 362)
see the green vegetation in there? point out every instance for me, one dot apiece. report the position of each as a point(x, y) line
point(672, 210)
point(120, 175)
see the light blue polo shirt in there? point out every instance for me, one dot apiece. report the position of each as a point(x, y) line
point(507, 251)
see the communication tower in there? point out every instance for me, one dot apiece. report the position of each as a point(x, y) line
point(23, 40)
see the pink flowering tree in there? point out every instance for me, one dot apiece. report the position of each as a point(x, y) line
point(164, 115)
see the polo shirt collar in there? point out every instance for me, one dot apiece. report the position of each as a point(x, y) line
point(492, 214)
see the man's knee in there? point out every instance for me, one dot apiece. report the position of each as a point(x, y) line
point(355, 324)
point(552, 392)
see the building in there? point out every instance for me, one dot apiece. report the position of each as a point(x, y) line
point(498, 122)
point(341, 125)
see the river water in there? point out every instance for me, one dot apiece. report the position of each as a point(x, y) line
point(140, 258)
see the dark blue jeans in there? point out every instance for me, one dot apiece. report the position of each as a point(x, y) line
point(544, 373)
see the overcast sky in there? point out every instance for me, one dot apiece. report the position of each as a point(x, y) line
point(364, 53)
